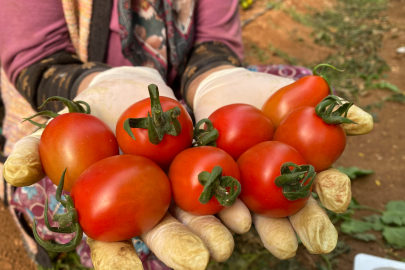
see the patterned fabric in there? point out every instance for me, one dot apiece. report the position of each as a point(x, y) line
point(16, 108)
point(78, 18)
point(205, 56)
point(292, 72)
point(58, 75)
point(147, 27)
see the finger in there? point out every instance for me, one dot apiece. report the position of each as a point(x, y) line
point(314, 228)
point(236, 217)
point(176, 246)
point(363, 119)
point(215, 236)
point(23, 166)
point(277, 235)
point(114, 255)
point(334, 189)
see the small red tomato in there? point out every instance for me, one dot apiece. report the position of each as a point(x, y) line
point(319, 143)
point(240, 126)
point(184, 177)
point(306, 91)
point(121, 197)
point(74, 141)
point(164, 151)
point(259, 168)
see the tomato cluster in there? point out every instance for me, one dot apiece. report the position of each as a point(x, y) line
point(112, 197)
point(277, 169)
point(268, 157)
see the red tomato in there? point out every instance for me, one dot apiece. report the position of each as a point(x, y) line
point(319, 143)
point(74, 141)
point(121, 197)
point(164, 152)
point(307, 91)
point(240, 126)
point(259, 166)
point(183, 175)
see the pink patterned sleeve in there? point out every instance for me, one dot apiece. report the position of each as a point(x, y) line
point(219, 21)
point(30, 30)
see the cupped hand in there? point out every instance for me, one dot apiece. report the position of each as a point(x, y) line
point(311, 223)
point(188, 244)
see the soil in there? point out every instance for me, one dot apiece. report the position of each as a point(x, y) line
point(382, 150)
point(13, 255)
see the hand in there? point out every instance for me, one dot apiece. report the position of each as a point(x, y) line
point(177, 245)
point(311, 223)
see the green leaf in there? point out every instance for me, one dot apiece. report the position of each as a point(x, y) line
point(354, 172)
point(353, 202)
point(367, 237)
point(378, 225)
point(395, 236)
point(386, 85)
point(395, 213)
point(355, 226)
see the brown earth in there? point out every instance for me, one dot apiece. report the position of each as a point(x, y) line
point(13, 255)
point(383, 150)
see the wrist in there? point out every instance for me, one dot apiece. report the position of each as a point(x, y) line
point(196, 82)
point(86, 82)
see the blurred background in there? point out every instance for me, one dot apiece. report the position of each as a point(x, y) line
point(366, 38)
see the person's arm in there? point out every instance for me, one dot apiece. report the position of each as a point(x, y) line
point(36, 52)
point(218, 43)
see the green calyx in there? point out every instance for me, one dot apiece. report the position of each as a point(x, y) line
point(73, 107)
point(295, 183)
point(160, 123)
point(204, 137)
point(68, 223)
point(326, 110)
point(216, 185)
point(314, 71)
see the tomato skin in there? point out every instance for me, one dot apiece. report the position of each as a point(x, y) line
point(183, 175)
point(319, 143)
point(307, 91)
point(121, 197)
point(76, 141)
point(164, 152)
point(259, 166)
point(240, 126)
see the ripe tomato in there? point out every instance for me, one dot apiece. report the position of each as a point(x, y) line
point(74, 141)
point(121, 197)
point(307, 91)
point(240, 126)
point(183, 175)
point(164, 152)
point(259, 167)
point(319, 143)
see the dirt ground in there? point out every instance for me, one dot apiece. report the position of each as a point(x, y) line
point(383, 150)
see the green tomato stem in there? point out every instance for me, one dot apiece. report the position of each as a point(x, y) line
point(324, 77)
point(68, 222)
point(207, 136)
point(216, 185)
point(296, 183)
point(159, 123)
point(73, 107)
point(325, 110)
